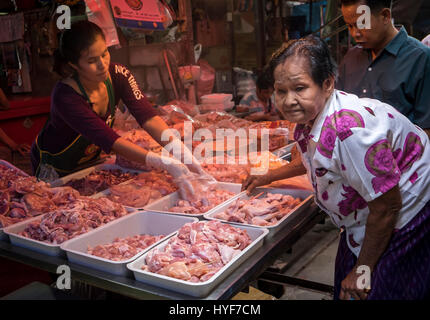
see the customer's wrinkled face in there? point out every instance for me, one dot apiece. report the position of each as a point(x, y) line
point(297, 96)
point(367, 38)
point(93, 64)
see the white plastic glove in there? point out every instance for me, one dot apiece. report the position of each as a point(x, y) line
point(195, 165)
point(176, 169)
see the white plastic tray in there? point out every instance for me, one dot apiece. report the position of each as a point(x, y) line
point(39, 246)
point(150, 223)
point(199, 289)
point(106, 193)
point(305, 195)
point(83, 173)
point(11, 166)
point(164, 204)
point(3, 236)
point(284, 151)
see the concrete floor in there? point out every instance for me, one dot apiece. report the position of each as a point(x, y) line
point(312, 258)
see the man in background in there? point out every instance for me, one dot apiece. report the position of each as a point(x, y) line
point(386, 64)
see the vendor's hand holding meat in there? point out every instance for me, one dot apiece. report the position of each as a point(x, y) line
point(188, 158)
point(176, 169)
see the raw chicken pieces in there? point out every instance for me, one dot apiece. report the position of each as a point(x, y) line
point(198, 251)
point(144, 189)
point(75, 218)
point(266, 211)
point(124, 248)
point(206, 200)
point(22, 197)
point(99, 180)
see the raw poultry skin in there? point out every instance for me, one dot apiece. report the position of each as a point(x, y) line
point(206, 201)
point(198, 251)
point(77, 217)
point(143, 189)
point(265, 211)
point(23, 197)
point(99, 180)
point(124, 248)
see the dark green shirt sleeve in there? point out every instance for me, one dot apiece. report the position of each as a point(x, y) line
point(422, 94)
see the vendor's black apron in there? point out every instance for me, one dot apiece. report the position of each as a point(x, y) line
point(81, 150)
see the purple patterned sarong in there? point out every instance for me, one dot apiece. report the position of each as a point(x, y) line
point(403, 271)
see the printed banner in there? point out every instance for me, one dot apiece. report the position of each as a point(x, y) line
point(140, 14)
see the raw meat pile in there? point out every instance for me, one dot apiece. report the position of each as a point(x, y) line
point(124, 248)
point(232, 169)
point(234, 173)
point(22, 197)
point(73, 219)
point(144, 189)
point(142, 139)
point(198, 251)
point(265, 211)
point(99, 180)
point(206, 201)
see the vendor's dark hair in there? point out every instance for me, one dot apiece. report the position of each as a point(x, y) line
point(72, 42)
point(264, 79)
point(373, 4)
point(321, 64)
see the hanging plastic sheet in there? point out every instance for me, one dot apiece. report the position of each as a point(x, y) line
point(12, 27)
point(100, 14)
point(154, 15)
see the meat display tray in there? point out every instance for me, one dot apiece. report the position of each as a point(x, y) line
point(164, 204)
point(40, 246)
point(3, 236)
point(150, 223)
point(199, 289)
point(283, 152)
point(11, 166)
point(305, 195)
point(86, 172)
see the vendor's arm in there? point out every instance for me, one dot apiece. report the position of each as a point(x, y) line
point(4, 102)
point(21, 148)
point(176, 169)
point(292, 169)
point(145, 114)
point(379, 229)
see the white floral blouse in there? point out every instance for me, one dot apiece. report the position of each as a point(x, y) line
point(358, 149)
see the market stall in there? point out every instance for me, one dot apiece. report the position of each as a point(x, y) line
point(53, 220)
point(232, 284)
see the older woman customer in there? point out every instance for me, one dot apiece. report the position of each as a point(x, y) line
point(370, 169)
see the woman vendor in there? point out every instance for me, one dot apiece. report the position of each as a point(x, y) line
point(83, 109)
point(370, 169)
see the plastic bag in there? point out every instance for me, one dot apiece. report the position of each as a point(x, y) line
point(47, 173)
point(188, 108)
point(200, 185)
point(207, 78)
point(99, 13)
